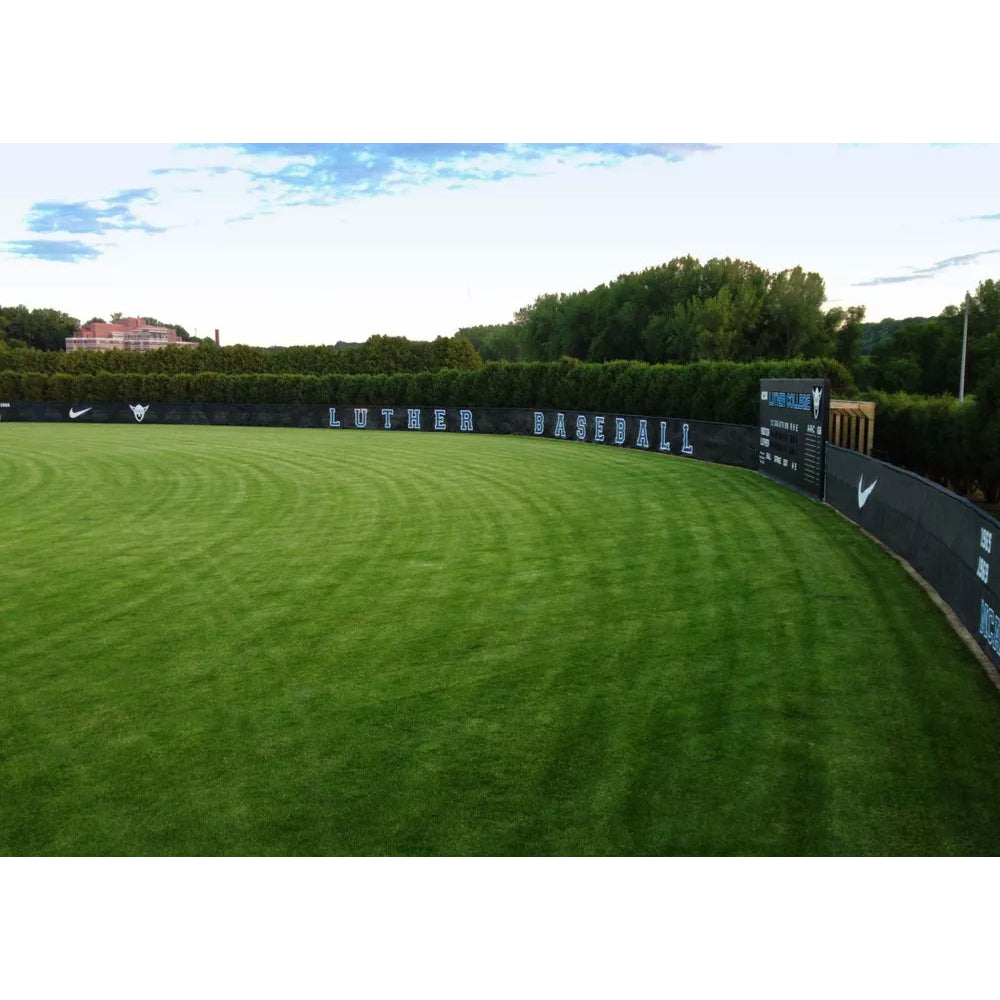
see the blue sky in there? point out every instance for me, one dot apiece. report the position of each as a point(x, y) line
point(312, 243)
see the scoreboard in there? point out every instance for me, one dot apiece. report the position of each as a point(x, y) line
point(793, 422)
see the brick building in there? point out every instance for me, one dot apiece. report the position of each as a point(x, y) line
point(131, 334)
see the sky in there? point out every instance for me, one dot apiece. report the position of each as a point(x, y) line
point(299, 243)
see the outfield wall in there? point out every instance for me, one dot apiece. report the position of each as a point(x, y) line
point(729, 444)
point(944, 537)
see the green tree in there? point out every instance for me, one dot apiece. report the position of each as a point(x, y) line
point(923, 355)
point(843, 326)
point(500, 342)
point(793, 325)
point(984, 309)
point(44, 329)
point(176, 327)
point(685, 310)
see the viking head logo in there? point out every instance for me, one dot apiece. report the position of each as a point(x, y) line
point(817, 399)
point(138, 411)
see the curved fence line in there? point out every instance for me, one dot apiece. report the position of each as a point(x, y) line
point(729, 444)
point(947, 539)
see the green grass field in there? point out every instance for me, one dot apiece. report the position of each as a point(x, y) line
point(276, 641)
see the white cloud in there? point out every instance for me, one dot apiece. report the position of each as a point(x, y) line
point(430, 258)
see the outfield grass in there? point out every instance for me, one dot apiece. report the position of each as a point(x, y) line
point(278, 641)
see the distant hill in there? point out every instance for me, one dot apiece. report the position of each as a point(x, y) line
point(873, 334)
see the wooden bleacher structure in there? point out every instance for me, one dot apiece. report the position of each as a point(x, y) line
point(852, 424)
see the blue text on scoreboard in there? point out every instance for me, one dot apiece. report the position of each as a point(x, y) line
point(790, 400)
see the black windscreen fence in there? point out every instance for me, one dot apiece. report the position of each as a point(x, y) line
point(223, 414)
point(948, 540)
point(729, 444)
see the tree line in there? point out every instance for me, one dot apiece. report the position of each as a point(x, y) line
point(41, 329)
point(378, 354)
point(922, 355)
point(680, 312)
point(35, 340)
point(734, 310)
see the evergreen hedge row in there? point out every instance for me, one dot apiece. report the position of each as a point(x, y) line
point(721, 391)
point(378, 354)
point(955, 444)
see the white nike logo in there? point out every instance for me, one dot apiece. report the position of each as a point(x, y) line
point(73, 414)
point(863, 495)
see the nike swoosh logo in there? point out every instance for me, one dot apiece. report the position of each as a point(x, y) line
point(73, 414)
point(863, 495)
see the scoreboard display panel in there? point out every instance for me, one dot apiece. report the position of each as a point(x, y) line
point(794, 415)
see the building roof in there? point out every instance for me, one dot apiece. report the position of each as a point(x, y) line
point(131, 324)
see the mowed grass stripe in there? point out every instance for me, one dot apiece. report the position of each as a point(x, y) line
point(276, 641)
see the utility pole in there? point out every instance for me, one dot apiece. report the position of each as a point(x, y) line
point(965, 340)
